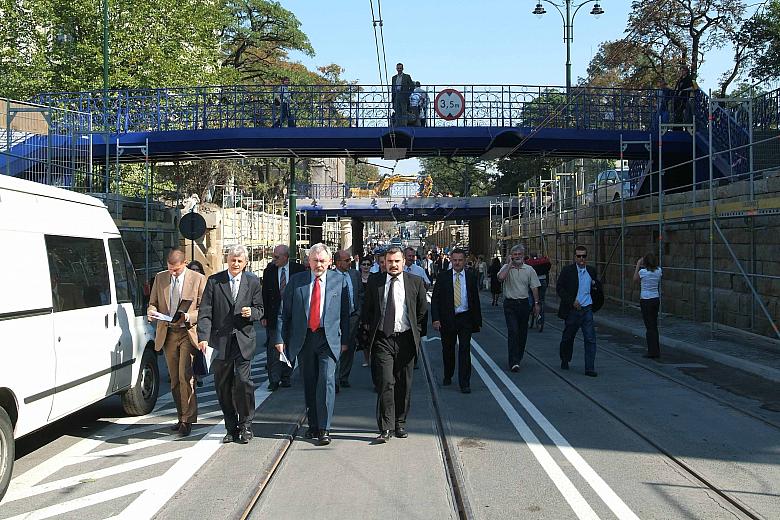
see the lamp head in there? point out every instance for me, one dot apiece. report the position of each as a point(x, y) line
point(539, 10)
point(597, 10)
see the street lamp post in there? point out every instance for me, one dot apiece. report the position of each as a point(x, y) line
point(567, 15)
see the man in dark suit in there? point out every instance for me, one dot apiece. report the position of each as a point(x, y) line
point(232, 302)
point(322, 297)
point(355, 286)
point(395, 309)
point(581, 295)
point(456, 314)
point(276, 276)
point(402, 88)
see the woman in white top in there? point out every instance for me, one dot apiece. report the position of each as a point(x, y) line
point(648, 274)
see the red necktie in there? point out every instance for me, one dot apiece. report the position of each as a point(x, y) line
point(314, 306)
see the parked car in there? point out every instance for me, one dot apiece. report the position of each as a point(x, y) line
point(73, 326)
point(610, 186)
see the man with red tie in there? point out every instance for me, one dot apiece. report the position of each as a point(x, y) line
point(322, 297)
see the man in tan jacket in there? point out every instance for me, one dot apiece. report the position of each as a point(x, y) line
point(178, 337)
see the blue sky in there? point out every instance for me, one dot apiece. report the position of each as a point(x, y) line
point(463, 41)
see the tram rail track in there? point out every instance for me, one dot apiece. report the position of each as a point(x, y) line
point(685, 467)
point(455, 478)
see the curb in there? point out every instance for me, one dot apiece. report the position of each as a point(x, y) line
point(771, 374)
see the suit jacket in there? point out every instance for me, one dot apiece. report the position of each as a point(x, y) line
point(220, 318)
point(272, 298)
point(293, 315)
point(407, 85)
point(443, 300)
point(416, 304)
point(568, 285)
point(357, 286)
point(160, 301)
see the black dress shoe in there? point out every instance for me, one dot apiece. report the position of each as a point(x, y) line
point(401, 433)
point(324, 438)
point(245, 436)
point(591, 373)
point(229, 437)
point(447, 381)
point(176, 427)
point(185, 429)
point(466, 390)
point(515, 368)
point(345, 384)
point(273, 386)
point(285, 384)
point(565, 365)
point(311, 433)
point(651, 356)
point(384, 436)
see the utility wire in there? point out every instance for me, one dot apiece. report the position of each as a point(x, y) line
point(376, 21)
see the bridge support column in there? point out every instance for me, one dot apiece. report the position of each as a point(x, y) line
point(479, 237)
point(315, 230)
point(357, 236)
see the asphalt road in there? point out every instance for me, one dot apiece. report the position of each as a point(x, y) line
point(540, 443)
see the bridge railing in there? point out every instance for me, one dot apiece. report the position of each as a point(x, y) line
point(252, 106)
point(356, 190)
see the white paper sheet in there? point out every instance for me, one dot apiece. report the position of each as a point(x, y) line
point(284, 359)
point(160, 316)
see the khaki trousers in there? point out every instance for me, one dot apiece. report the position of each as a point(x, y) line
point(179, 355)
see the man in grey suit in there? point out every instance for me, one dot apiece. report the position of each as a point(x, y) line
point(232, 303)
point(355, 285)
point(322, 296)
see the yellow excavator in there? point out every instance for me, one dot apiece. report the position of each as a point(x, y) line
point(383, 185)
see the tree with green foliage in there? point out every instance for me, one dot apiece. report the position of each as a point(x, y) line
point(460, 176)
point(662, 35)
point(360, 172)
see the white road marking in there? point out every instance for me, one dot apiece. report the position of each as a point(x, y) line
point(155, 491)
point(86, 501)
point(95, 475)
point(570, 493)
point(610, 498)
point(155, 497)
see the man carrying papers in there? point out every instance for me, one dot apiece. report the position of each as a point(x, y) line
point(176, 332)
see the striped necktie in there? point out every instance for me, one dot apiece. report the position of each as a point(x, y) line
point(457, 290)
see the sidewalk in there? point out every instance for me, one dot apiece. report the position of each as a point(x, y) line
point(747, 352)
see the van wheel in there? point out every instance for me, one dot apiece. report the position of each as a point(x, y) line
point(140, 398)
point(6, 451)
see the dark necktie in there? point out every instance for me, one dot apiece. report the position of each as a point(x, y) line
point(388, 323)
point(283, 281)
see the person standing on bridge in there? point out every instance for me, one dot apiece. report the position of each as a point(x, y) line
point(402, 87)
point(580, 293)
point(519, 280)
point(456, 314)
point(283, 104)
point(395, 308)
point(232, 303)
point(177, 338)
point(322, 296)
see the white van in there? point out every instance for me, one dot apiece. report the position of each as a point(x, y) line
point(72, 324)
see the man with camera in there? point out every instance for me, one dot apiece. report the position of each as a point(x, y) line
point(519, 280)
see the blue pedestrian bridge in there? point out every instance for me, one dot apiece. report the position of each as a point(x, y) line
point(237, 122)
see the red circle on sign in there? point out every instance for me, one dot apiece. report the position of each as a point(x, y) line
point(443, 112)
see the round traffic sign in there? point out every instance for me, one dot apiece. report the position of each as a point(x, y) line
point(192, 226)
point(450, 104)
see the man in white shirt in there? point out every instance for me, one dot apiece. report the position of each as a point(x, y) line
point(412, 268)
point(395, 310)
